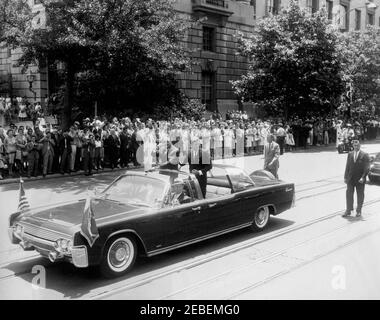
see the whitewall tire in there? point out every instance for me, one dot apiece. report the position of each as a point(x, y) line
point(119, 256)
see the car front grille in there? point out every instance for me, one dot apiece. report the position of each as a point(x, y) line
point(43, 233)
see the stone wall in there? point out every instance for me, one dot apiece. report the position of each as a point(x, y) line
point(224, 61)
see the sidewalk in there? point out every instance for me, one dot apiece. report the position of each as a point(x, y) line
point(107, 170)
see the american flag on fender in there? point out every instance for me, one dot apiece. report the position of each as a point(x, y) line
point(23, 204)
point(88, 229)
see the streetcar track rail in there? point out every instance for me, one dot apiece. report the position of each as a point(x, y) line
point(262, 259)
point(220, 254)
point(302, 264)
point(297, 199)
point(192, 264)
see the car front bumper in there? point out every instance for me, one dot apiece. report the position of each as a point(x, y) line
point(78, 255)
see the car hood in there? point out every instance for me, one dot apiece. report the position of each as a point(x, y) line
point(69, 215)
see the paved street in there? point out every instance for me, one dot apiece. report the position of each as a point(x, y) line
point(307, 252)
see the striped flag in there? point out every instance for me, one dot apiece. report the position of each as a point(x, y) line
point(88, 229)
point(23, 204)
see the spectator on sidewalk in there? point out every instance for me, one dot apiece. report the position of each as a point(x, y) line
point(33, 156)
point(271, 156)
point(48, 144)
point(65, 152)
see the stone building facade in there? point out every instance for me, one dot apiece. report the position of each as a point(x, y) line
point(217, 45)
point(32, 83)
point(214, 41)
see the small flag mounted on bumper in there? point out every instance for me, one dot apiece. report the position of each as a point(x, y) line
point(23, 205)
point(89, 230)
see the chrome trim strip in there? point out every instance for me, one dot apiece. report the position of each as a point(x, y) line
point(28, 236)
point(183, 244)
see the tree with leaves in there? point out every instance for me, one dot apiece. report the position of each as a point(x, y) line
point(113, 51)
point(295, 64)
point(361, 65)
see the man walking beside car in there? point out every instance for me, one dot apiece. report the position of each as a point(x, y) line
point(271, 156)
point(357, 167)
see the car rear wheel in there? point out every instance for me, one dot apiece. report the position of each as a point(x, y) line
point(261, 219)
point(118, 257)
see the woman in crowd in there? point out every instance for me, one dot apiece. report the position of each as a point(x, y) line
point(10, 148)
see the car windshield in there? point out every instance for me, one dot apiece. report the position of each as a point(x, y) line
point(137, 190)
point(239, 179)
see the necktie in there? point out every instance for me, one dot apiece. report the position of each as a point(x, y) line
point(355, 156)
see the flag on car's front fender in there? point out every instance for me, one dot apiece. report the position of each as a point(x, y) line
point(23, 204)
point(88, 229)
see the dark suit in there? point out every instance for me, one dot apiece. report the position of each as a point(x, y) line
point(202, 175)
point(353, 173)
point(64, 146)
point(47, 154)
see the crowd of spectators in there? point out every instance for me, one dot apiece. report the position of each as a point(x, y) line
point(14, 109)
point(93, 144)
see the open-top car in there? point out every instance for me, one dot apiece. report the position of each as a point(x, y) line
point(151, 213)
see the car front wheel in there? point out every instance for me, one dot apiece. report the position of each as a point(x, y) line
point(118, 257)
point(261, 219)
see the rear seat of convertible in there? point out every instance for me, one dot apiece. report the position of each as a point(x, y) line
point(214, 191)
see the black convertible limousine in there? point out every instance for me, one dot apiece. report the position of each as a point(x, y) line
point(151, 213)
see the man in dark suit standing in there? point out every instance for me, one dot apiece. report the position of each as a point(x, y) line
point(199, 164)
point(271, 156)
point(357, 167)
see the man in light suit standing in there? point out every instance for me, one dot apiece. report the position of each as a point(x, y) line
point(271, 156)
point(355, 175)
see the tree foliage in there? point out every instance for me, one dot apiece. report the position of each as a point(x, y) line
point(114, 51)
point(361, 52)
point(295, 63)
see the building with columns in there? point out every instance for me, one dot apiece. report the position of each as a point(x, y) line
point(214, 43)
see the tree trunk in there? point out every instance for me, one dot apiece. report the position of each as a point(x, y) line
point(68, 99)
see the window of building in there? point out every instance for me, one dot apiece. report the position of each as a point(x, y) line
point(207, 89)
point(343, 17)
point(253, 4)
point(209, 38)
point(329, 7)
point(312, 5)
point(370, 18)
point(358, 16)
point(273, 6)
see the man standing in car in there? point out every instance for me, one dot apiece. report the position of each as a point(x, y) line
point(355, 175)
point(199, 167)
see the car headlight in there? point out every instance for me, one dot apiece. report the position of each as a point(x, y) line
point(63, 245)
point(18, 229)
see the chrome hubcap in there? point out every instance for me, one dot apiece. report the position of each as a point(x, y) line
point(261, 217)
point(119, 254)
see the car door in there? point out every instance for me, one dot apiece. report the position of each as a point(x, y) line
point(219, 214)
point(174, 224)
